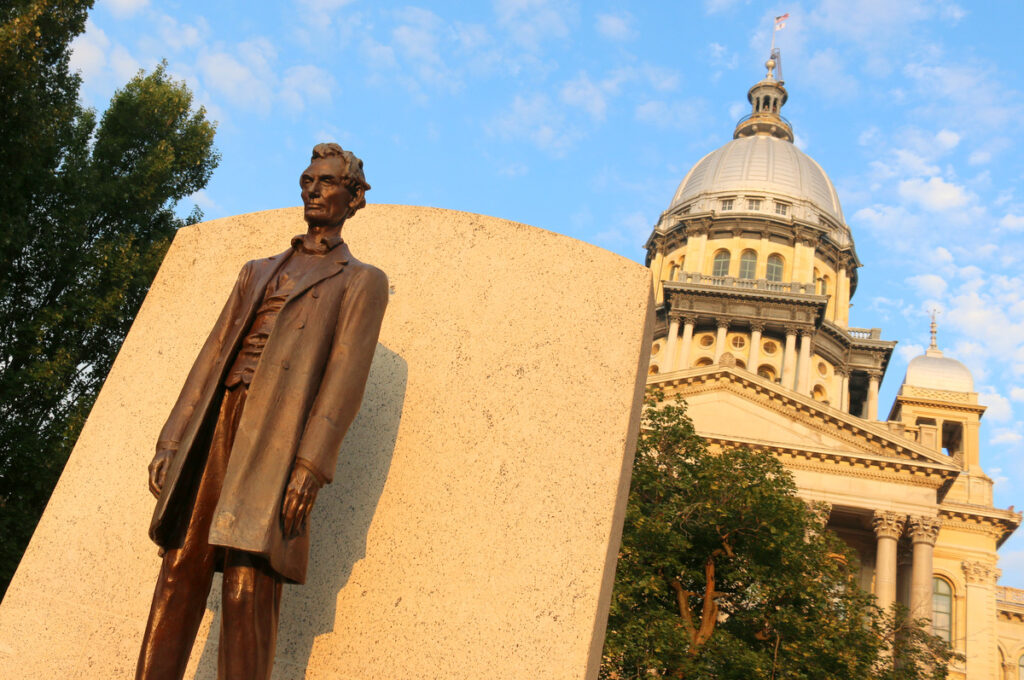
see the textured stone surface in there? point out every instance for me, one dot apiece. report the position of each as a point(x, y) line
point(472, 528)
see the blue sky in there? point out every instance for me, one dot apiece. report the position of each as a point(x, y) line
point(583, 118)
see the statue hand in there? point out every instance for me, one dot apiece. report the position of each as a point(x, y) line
point(158, 470)
point(298, 500)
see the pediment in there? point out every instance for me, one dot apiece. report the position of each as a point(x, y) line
point(732, 405)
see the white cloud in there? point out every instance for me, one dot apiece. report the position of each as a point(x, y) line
point(178, 36)
point(715, 6)
point(535, 119)
point(631, 230)
point(236, 81)
point(531, 22)
point(999, 408)
point(979, 157)
point(669, 115)
point(935, 194)
point(302, 85)
point(907, 352)
point(826, 73)
point(616, 26)
point(583, 93)
point(1017, 393)
point(947, 139)
point(124, 8)
point(1012, 222)
point(89, 51)
point(931, 285)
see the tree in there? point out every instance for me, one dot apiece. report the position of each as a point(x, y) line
point(725, 573)
point(88, 212)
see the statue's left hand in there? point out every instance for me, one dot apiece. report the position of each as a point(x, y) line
point(298, 500)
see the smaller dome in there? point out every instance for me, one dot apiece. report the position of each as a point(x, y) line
point(931, 370)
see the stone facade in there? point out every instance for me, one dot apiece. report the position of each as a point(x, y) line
point(754, 267)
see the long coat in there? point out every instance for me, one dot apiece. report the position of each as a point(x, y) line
point(304, 394)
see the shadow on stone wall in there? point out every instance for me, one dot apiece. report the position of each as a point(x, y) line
point(339, 524)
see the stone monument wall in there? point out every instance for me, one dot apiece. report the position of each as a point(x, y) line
point(473, 525)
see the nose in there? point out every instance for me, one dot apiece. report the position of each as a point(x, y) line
point(314, 188)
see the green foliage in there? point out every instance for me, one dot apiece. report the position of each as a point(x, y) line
point(87, 213)
point(725, 573)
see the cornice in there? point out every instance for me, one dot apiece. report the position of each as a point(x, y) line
point(874, 445)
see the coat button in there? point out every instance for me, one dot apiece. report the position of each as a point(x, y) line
point(284, 364)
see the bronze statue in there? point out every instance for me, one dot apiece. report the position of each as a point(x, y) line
point(257, 429)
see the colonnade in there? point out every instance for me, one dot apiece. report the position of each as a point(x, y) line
point(889, 527)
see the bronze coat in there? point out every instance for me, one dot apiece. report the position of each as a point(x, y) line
point(304, 394)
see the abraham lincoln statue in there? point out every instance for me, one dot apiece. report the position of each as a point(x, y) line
point(257, 429)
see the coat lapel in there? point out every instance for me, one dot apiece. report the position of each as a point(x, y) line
point(329, 265)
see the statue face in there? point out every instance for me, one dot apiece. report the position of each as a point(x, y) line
point(325, 197)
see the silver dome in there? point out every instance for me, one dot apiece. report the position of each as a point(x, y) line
point(761, 166)
point(933, 371)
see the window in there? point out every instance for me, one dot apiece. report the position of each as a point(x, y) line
point(673, 270)
point(769, 347)
point(748, 264)
point(704, 361)
point(819, 394)
point(721, 264)
point(1020, 668)
point(781, 209)
point(707, 340)
point(727, 204)
point(766, 372)
point(754, 204)
point(774, 269)
point(738, 342)
point(942, 609)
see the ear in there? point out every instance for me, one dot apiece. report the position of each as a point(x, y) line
point(357, 198)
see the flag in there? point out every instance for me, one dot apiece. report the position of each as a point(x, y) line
point(780, 22)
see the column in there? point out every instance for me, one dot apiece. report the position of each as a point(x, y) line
point(803, 385)
point(688, 323)
point(656, 265)
point(874, 377)
point(888, 527)
point(670, 343)
point(844, 389)
point(754, 355)
point(789, 358)
point(842, 298)
point(723, 326)
point(923, 532)
point(981, 652)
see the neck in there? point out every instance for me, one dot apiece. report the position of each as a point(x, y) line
point(319, 232)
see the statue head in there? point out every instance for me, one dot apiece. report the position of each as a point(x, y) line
point(333, 186)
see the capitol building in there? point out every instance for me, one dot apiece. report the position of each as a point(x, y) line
point(754, 267)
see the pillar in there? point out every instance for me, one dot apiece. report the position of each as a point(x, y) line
point(923, 531)
point(670, 343)
point(842, 298)
point(803, 384)
point(688, 323)
point(874, 377)
point(888, 527)
point(844, 390)
point(723, 326)
point(656, 273)
point(754, 355)
point(980, 645)
point(789, 358)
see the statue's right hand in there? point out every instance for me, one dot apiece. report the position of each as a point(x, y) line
point(158, 470)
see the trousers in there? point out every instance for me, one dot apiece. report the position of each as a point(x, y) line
point(251, 589)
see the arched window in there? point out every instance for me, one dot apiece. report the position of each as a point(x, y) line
point(721, 264)
point(766, 371)
point(773, 272)
point(1020, 668)
point(819, 394)
point(824, 285)
point(942, 609)
point(673, 270)
point(748, 264)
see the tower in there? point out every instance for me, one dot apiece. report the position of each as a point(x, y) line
point(754, 259)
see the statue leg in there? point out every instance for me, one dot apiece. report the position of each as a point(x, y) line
point(187, 571)
point(248, 629)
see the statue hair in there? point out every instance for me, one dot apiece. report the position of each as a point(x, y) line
point(354, 177)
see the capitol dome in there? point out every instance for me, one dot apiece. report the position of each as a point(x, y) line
point(761, 165)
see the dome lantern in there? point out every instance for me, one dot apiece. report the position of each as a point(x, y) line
point(766, 100)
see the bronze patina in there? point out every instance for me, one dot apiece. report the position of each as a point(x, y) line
point(257, 429)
